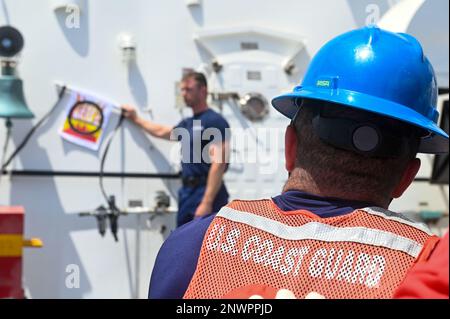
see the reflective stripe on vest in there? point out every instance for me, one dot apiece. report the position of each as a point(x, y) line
point(323, 232)
point(387, 214)
point(252, 247)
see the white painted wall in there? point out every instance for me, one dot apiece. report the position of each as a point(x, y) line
point(89, 58)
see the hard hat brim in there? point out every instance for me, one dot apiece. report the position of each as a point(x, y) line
point(435, 143)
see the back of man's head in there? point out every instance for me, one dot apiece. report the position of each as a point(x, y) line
point(343, 173)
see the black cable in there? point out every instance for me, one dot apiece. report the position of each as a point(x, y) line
point(47, 173)
point(33, 129)
point(8, 137)
point(114, 212)
point(102, 163)
point(5, 146)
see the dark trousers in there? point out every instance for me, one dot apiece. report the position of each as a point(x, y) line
point(190, 197)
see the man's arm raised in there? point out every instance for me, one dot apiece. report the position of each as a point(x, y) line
point(154, 129)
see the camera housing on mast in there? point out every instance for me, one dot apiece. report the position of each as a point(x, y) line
point(127, 46)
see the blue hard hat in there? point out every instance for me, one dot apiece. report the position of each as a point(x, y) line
point(377, 71)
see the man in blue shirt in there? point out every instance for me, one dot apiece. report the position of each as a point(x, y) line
point(204, 138)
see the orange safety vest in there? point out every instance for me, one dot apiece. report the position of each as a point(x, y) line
point(254, 248)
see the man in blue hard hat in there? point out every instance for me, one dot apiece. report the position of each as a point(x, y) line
point(203, 191)
point(365, 108)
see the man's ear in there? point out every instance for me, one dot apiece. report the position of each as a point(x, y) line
point(407, 178)
point(204, 91)
point(290, 148)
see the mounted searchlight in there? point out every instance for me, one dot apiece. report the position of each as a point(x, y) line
point(254, 106)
